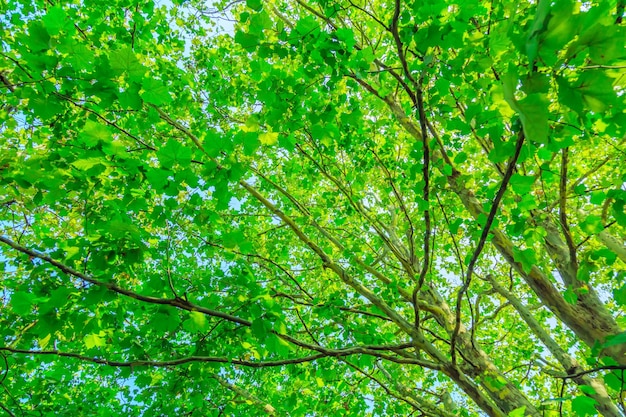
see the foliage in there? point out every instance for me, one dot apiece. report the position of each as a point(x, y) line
point(324, 208)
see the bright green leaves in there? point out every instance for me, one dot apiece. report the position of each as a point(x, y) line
point(257, 23)
point(196, 322)
point(255, 5)
point(95, 340)
point(174, 153)
point(94, 133)
point(592, 90)
point(155, 92)
point(247, 41)
point(122, 227)
point(526, 257)
point(533, 112)
point(130, 98)
point(518, 412)
point(605, 44)
point(618, 339)
point(55, 20)
point(124, 61)
point(22, 302)
point(570, 296)
point(268, 138)
point(260, 328)
point(45, 106)
point(563, 38)
point(618, 208)
point(592, 224)
point(554, 27)
point(100, 200)
point(39, 38)
point(600, 39)
point(346, 36)
point(521, 184)
point(88, 163)
point(78, 56)
point(620, 294)
point(539, 26)
point(167, 320)
point(250, 142)
point(614, 381)
point(584, 406)
point(362, 59)
point(532, 109)
point(559, 23)
point(237, 239)
point(307, 26)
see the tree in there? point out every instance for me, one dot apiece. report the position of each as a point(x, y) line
point(322, 208)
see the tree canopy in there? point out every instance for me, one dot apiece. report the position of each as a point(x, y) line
point(313, 208)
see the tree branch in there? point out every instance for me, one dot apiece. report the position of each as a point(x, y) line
point(175, 302)
point(483, 239)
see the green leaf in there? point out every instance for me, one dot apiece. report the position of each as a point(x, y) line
point(307, 26)
point(592, 224)
point(346, 35)
point(22, 302)
point(584, 406)
point(79, 57)
point(525, 257)
point(540, 24)
point(93, 133)
point(248, 41)
point(86, 164)
point(605, 43)
point(94, 340)
point(268, 138)
point(39, 39)
point(587, 389)
point(303, 213)
point(196, 322)
point(562, 26)
point(124, 61)
point(259, 328)
point(614, 380)
point(54, 20)
point(130, 98)
point(174, 153)
point(620, 295)
point(460, 158)
point(615, 340)
point(155, 92)
point(533, 109)
point(44, 341)
point(521, 184)
point(534, 114)
point(518, 412)
point(597, 90)
point(45, 107)
point(258, 23)
point(570, 296)
point(569, 96)
point(255, 5)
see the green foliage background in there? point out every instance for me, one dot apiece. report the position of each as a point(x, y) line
point(358, 207)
